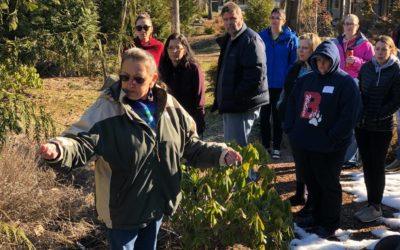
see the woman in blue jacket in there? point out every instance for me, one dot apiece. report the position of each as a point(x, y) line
point(280, 46)
point(322, 111)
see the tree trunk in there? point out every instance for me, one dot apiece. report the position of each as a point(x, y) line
point(175, 17)
point(122, 28)
point(209, 8)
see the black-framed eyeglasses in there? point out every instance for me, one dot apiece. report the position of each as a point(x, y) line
point(144, 27)
point(137, 79)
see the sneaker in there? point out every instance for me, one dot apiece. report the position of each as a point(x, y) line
point(393, 167)
point(276, 154)
point(368, 214)
point(296, 200)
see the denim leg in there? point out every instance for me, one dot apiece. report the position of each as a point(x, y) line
point(122, 239)
point(351, 150)
point(147, 237)
point(237, 126)
point(144, 238)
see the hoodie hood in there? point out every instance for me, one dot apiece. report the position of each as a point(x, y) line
point(378, 68)
point(360, 39)
point(392, 60)
point(329, 50)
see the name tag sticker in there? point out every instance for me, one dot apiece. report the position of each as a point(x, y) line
point(328, 89)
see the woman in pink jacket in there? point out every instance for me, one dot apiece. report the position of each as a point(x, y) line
point(354, 50)
point(354, 47)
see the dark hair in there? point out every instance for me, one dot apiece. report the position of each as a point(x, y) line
point(143, 16)
point(279, 11)
point(165, 66)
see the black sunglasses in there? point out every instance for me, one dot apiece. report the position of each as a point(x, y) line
point(145, 27)
point(137, 79)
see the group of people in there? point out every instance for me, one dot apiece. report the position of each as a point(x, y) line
point(324, 96)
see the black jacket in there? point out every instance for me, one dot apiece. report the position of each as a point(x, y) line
point(288, 87)
point(380, 93)
point(244, 82)
point(186, 84)
point(323, 109)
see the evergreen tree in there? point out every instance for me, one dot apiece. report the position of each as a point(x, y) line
point(59, 37)
point(257, 14)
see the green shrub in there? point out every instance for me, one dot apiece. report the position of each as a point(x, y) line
point(257, 14)
point(209, 30)
point(17, 111)
point(219, 208)
point(11, 234)
point(58, 37)
point(188, 12)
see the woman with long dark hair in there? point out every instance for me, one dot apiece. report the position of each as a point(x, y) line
point(184, 77)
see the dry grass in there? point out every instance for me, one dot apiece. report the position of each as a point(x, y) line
point(52, 215)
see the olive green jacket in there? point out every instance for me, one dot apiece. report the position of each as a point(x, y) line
point(137, 170)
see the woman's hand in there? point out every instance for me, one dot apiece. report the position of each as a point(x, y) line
point(49, 151)
point(232, 157)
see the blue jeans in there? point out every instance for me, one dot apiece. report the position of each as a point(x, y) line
point(237, 126)
point(351, 152)
point(144, 238)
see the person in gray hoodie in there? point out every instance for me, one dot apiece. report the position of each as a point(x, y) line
point(322, 111)
point(380, 92)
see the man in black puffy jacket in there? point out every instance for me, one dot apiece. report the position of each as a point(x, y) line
point(241, 86)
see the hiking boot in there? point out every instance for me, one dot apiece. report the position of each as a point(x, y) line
point(324, 232)
point(297, 199)
point(276, 154)
point(369, 213)
point(393, 167)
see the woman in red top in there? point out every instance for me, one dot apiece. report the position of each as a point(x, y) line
point(143, 37)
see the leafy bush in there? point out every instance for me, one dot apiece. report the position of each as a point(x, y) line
point(257, 14)
point(307, 16)
point(188, 12)
point(209, 30)
point(17, 112)
point(220, 208)
point(14, 236)
point(325, 28)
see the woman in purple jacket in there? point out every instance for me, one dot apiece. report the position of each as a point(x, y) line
point(184, 77)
